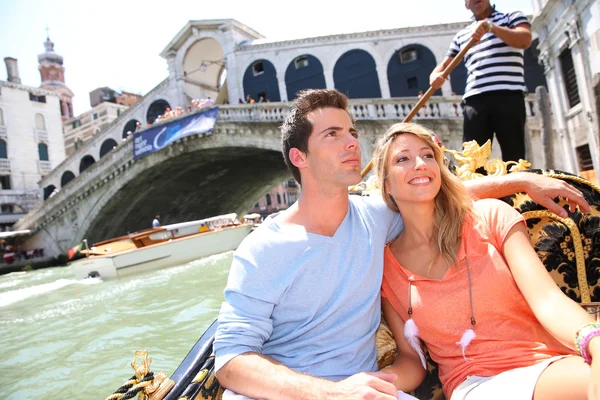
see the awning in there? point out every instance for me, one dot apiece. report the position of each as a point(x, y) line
point(4, 235)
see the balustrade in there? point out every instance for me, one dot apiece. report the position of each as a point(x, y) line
point(4, 164)
point(44, 166)
point(363, 109)
point(40, 135)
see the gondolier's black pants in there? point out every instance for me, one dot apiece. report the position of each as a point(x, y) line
point(501, 112)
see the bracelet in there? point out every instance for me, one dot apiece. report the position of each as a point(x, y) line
point(583, 337)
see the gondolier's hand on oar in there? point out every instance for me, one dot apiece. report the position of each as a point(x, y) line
point(367, 385)
point(436, 79)
point(481, 28)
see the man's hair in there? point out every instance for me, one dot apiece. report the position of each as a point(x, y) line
point(296, 127)
point(452, 204)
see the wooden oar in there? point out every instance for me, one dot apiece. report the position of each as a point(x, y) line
point(429, 93)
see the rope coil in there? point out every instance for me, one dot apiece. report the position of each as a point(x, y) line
point(143, 384)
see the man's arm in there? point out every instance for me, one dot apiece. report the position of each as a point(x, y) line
point(257, 376)
point(435, 78)
point(518, 37)
point(541, 189)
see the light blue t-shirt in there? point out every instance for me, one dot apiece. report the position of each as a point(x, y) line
point(309, 301)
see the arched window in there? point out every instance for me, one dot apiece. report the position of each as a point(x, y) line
point(107, 146)
point(3, 152)
point(278, 198)
point(268, 199)
point(40, 122)
point(86, 162)
point(67, 177)
point(43, 151)
point(1, 118)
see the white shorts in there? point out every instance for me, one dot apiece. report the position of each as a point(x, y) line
point(514, 384)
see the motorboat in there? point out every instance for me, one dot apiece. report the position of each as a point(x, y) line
point(161, 247)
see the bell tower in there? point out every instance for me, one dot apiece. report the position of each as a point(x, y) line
point(53, 77)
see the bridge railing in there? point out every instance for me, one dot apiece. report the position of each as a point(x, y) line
point(437, 107)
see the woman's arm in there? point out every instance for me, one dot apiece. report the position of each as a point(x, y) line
point(407, 366)
point(560, 315)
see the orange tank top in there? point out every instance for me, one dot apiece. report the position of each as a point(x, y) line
point(508, 335)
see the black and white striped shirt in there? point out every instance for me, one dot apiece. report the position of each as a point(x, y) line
point(491, 63)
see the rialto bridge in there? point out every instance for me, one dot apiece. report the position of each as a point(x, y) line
point(100, 191)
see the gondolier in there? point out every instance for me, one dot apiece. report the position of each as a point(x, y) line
point(494, 99)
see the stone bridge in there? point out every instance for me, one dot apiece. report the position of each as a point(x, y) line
point(204, 175)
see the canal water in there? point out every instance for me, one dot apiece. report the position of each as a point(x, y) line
point(62, 338)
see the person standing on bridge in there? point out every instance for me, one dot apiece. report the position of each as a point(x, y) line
point(156, 221)
point(302, 302)
point(494, 100)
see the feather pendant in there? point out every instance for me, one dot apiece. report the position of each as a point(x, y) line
point(411, 333)
point(465, 341)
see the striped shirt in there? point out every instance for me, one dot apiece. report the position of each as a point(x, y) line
point(492, 64)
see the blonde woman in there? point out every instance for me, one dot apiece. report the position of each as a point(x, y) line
point(463, 278)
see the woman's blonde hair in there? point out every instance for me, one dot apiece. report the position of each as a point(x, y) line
point(452, 204)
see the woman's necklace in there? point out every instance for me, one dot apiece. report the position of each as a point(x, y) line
point(411, 331)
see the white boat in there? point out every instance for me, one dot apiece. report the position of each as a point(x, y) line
point(161, 247)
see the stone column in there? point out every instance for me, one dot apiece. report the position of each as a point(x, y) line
point(583, 87)
point(383, 82)
point(282, 89)
point(234, 89)
point(558, 105)
point(329, 83)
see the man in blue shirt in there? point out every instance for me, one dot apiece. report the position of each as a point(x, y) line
point(302, 302)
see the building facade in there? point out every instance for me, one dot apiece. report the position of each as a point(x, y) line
point(105, 94)
point(279, 198)
point(569, 49)
point(31, 143)
point(84, 127)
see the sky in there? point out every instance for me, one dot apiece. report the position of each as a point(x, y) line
point(116, 43)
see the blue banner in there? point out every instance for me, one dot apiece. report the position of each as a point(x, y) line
point(151, 140)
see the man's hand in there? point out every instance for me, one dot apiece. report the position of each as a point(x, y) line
point(366, 385)
point(543, 190)
point(436, 80)
point(480, 29)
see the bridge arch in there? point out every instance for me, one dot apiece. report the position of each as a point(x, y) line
point(408, 70)
point(86, 162)
point(158, 107)
point(48, 190)
point(107, 146)
point(260, 79)
point(304, 72)
point(203, 69)
point(66, 177)
point(129, 127)
point(202, 165)
point(355, 75)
